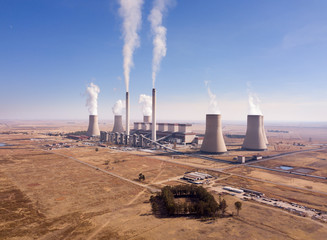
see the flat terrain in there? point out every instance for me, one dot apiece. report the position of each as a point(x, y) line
point(314, 163)
point(51, 194)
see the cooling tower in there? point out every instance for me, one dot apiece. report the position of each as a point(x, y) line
point(93, 129)
point(146, 119)
point(254, 138)
point(137, 125)
point(118, 124)
point(213, 141)
point(127, 113)
point(154, 124)
point(264, 131)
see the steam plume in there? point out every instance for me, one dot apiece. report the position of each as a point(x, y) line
point(146, 103)
point(92, 92)
point(118, 107)
point(130, 11)
point(213, 105)
point(254, 108)
point(159, 34)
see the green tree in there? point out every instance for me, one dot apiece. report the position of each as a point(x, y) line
point(185, 208)
point(223, 207)
point(238, 206)
point(141, 177)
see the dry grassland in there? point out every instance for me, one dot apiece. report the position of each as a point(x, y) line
point(285, 193)
point(47, 195)
point(315, 161)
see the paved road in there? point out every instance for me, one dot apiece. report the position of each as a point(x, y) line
point(287, 171)
point(232, 174)
point(268, 201)
point(274, 157)
point(280, 184)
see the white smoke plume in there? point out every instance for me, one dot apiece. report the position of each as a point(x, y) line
point(254, 108)
point(146, 103)
point(130, 11)
point(118, 107)
point(92, 93)
point(159, 35)
point(213, 104)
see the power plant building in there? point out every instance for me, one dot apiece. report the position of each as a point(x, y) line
point(179, 132)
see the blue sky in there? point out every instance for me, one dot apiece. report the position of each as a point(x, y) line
point(51, 50)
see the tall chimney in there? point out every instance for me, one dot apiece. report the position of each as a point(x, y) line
point(93, 129)
point(154, 125)
point(146, 119)
point(254, 138)
point(264, 131)
point(127, 113)
point(118, 124)
point(213, 141)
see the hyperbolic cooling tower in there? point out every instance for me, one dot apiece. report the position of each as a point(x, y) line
point(263, 131)
point(93, 129)
point(118, 124)
point(146, 119)
point(213, 141)
point(255, 138)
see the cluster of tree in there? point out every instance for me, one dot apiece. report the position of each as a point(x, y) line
point(78, 133)
point(278, 131)
point(201, 204)
point(235, 136)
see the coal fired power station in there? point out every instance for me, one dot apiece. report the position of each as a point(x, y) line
point(118, 124)
point(255, 137)
point(93, 129)
point(213, 141)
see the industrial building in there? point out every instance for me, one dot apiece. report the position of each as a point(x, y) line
point(231, 189)
point(196, 177)
point(169, 132)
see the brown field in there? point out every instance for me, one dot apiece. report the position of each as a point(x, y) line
point(49, 195)
point(282, 192)
point(316, 162)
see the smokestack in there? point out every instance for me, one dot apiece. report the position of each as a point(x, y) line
point(118, 124)
point(264, 131)
point(154, 125)
point(213, 141)
point(254, 138)
point(146, 119)
point(127, 113)
point(93, 129)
